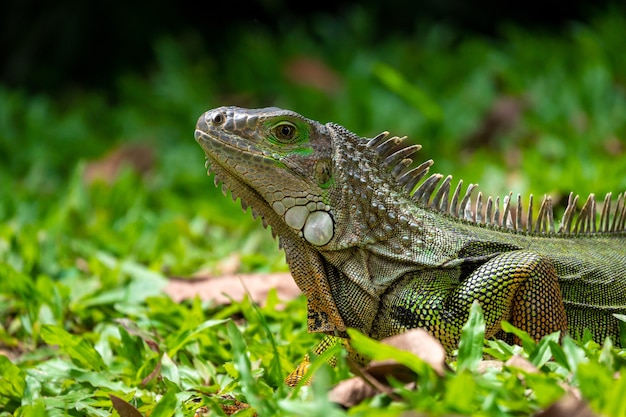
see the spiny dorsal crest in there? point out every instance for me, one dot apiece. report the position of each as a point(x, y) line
point(396, 155)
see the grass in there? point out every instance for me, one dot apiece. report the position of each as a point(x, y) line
point(83, 262)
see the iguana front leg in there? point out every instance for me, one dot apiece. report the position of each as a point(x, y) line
point(297, 374)
point(520, 287)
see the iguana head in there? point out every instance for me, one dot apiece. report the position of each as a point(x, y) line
point(277, 162)
point(338, 202)
point(281, 165)
point(319, 183)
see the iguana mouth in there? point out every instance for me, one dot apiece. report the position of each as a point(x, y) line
point(223, 174)
point(239, 190)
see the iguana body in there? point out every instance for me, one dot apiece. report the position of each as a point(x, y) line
point(375, 246)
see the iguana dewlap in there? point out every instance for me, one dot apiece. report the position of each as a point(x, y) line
point(377, 245)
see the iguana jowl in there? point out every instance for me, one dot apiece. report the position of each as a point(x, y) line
point(376, 245)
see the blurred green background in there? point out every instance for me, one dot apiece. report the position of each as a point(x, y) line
point(98, 103)
point(104, 194)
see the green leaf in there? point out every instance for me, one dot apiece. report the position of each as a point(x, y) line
point(249, 385)
point(12, 380)
point(98, 379)
point(606, 354)
point(166, 405)
point(131, 347)
point(472, 339)
point(275, 370)
point(545, 389)
point(413, 95)
point(169, 369)
point(78, 348)
point(528, 343)
point(36, 409)
point(574, 354)
point(240, 353)
point(615, 404)
point(622, 328)
point(543, 351)
point(558, 355)
point(184, 337)
point(499, 349)
point(595, 383)
point(460, 394)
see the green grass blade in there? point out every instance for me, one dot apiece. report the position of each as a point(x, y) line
point(472, 339)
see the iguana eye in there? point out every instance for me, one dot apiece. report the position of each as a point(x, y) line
point(218, 119)
point(285, 132)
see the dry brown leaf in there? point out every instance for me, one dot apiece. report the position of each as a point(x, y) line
point(487, 364)
point(382, 370)
point(351, 392)
point(423, 345)
point(502, 117)
point(373, 379)
point(222, 289)
point(313, 73)
point(614, 146)
point(12, 353)
point(138, 157)
point(567, 406)
point(516, 361)
point(228, 265)
point(124, 408)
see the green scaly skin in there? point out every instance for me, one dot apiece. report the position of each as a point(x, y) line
point(369, 254)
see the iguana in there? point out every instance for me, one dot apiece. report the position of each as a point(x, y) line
point(377, 245)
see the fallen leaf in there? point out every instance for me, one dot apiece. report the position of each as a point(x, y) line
point(487, 364)
point(373, 379)
point(614, 146)
point(138, 157)
point(228, 265)
point(351, 392)
point(312, 73)
point(124, 408)
point(221, 290)
point(502, 117)
point(382, 370)
point(568, 406)
point(423, 345)
point(517, 361)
